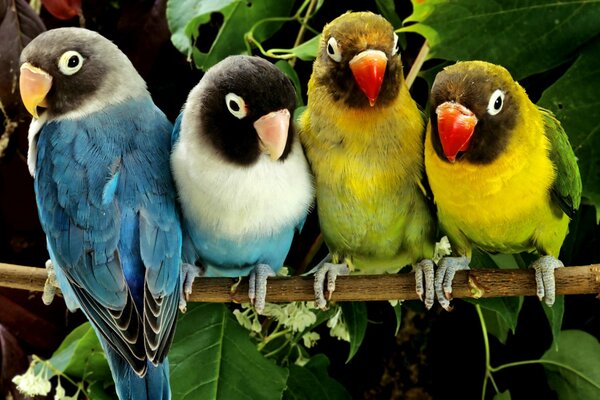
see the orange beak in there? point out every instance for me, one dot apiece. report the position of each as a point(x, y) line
point(34, 85)
point(456, 125)
point(368, 68)
point(272, 131)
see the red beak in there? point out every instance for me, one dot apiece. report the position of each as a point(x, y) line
point(456, 124)
point(368, 68)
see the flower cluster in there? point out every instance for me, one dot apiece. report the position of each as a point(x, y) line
point(35, 381)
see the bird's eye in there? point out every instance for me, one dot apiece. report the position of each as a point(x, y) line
point(70, 62)
point(236, 105)
point(333, 51)
point(396, 47)
point(496, 102)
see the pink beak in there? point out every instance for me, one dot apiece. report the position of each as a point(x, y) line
point(272, 131)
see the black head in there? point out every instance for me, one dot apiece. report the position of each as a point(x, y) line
point(235, 94)
point(343, 39)
point(489, 92)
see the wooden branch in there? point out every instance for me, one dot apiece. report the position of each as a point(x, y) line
point(474, 283)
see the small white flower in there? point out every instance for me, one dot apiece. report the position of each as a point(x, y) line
point(300, 316)
point(59, 394)
point(310, 339)
point(32, 384)
point(301, 361)
point(338, 327)
point(275, 311)
point(256, 326)
point(243, 319)
point(442, 248)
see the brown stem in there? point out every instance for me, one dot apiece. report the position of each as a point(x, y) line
point(484, 282)
point(416, 67)
point(309, 10)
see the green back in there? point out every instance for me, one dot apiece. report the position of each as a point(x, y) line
point(566, 190)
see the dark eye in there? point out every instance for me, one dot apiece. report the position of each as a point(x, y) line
point(70, 62)
point(73, 62)
point(333, 50)
point(236, 105)
point(233, 106)
point(495, 102)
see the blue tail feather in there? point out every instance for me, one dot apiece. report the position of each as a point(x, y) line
point(130, 386)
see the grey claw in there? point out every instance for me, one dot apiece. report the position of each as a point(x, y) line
point(424, 270)
point(444, 276)
point(50, 285)
point(544, 278)
point(331, 272)
point(257, 291)
point(189, 273)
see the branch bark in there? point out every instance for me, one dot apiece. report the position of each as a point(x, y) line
point(474, 283)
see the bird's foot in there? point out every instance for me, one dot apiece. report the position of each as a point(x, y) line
point(424, 270)
point(444, 276)
point(544, 278)
point(50, 285)
point(189, 273)
point(258, 286)
point(331, 272)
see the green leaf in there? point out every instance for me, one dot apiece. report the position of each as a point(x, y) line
point(290, 72)
point(81, 356)
point(387, 8)
point(500, 314)
point(502, 396)
point(575, 369)
point(313, 382)
point(212, 357)
point(239, 16)
point(574, 100)
point(525, 37)
point(185, 16)
point(97, 391)
point(554, 315)
point(355, 316)
point(307, 51)
point(298, 113)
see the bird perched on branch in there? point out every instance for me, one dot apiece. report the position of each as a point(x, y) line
point(363, 136)
point(244, 184)
point(502, 171)
point(99, 152)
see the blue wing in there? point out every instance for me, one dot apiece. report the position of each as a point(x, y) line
point(106, 201)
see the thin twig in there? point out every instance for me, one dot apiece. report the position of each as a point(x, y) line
point(417, 65)
point(300, 36)
point(486, 282)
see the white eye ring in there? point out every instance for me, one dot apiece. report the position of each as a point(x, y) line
point(70, 62)
point(396, 48)
point(236, 105)
point(496, 102)
point(333, 51)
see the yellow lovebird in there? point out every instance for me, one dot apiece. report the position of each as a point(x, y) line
point(503, 174)
point(363, 136)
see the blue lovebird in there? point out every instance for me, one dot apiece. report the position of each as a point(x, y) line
point(244, 184)
point(99, 153)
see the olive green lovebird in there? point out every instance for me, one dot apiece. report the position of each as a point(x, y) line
point(363, 136)
point(503, 174)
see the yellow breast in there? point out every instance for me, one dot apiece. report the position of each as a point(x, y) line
point(504, 205)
